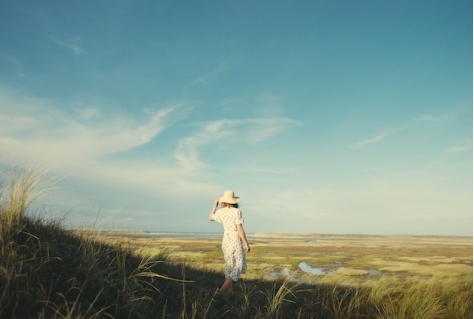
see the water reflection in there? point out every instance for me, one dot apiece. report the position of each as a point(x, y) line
point(323, 271)
point(308, 269)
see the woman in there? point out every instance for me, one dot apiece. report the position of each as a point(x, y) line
point(234, 241)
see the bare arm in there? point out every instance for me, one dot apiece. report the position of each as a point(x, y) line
point(241, 231)
point(213, 211)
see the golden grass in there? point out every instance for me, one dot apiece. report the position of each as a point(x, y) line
point(25, 185)
point(347, 261)
point(47, 272)
point(350, 272)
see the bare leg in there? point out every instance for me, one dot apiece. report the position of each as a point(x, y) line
point(227, 286)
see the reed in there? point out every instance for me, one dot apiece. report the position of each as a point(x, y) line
point(26, 184)
point(279, 296)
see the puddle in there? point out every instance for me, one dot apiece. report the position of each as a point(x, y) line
point(323, 271)
point(308, 269)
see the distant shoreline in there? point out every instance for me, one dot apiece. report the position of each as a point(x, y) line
point(259, 235)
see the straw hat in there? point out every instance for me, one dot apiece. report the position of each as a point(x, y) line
point(229, 198)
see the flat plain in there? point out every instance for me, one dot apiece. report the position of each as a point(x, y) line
point(312, 258)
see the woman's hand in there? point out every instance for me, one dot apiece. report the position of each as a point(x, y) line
point(247, 247)
point(213, 210)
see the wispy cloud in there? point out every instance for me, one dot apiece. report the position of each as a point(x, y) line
point(187, 152)
point(204, 79)
point(374, 139)
point(40, 128)
point(269, 104)
point(432, 118)
point(233, 132)
point(88, 113)
point(266, 128)
point(82, 145)
point(461, 148)
point(13, 64)
point(72, 45)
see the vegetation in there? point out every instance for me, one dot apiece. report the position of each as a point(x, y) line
point(47, 271)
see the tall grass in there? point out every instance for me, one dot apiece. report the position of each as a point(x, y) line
point(26, 184)
point(423, 298)
point(278, 298)
point(49, 272)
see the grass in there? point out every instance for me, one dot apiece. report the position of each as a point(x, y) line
point(47, 271)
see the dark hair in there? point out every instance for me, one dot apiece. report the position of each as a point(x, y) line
point(231, 205)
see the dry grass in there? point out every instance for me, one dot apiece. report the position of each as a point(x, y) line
point(49, 272)
point(420, 277)
point(350, 272)
point(24, 186)
point(419, 256)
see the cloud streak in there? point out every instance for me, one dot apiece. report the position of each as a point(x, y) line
point(72, 140)
point(382, 135)
point(374, 139)
point(13, 64)
point(234, 132)
point(72, 46)
point(432, 118)
point(459, 149)
point(83, 143)
point(36, 127)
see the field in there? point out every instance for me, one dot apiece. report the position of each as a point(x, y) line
point(312, 258)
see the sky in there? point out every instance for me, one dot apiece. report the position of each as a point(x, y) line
point(329, 117)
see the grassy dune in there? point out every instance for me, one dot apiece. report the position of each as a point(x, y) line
point(47, 271)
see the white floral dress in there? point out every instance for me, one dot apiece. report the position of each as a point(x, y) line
point(232, 248)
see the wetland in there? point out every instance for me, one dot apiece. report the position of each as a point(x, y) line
point(314, 258)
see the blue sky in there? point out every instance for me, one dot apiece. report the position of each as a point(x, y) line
point(324, 116)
